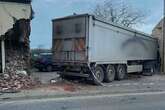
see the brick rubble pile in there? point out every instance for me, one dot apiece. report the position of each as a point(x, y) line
point(15, 77)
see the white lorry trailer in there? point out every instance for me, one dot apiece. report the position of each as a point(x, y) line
point(86, 46)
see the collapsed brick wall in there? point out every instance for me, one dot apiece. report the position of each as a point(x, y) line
point(17, 50)
point(17, 46)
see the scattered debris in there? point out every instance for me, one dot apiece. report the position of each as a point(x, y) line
point(68, 85)
point(13, 82)
point(21, 72)
point(69, 88)
point(15, 77)
point(56, 80)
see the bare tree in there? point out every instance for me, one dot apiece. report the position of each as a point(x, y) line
point(118, 11)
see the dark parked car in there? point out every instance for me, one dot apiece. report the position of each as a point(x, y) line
point(44, 62)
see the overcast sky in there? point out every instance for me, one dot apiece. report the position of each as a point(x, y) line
point(46, 10)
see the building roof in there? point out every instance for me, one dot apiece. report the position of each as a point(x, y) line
point(159, 25)
point(18, 1)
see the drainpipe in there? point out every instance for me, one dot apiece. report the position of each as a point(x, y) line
point(3, 55)
point(2, 50)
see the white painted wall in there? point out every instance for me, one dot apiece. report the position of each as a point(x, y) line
point(9, 10)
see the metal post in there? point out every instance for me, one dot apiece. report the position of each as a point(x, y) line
point(3, 55)
point(2, 51)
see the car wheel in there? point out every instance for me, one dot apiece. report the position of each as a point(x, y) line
point(40, 70)
point(49, 68)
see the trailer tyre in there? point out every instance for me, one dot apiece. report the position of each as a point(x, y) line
point(110, 73)
point(149, 70)
point(99, 75)
point(121, 72)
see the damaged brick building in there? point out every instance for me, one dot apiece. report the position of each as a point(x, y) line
point(14, 35)
point(158, 33)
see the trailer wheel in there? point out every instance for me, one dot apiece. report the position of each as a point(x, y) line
point(110, 73)
point(98, 75)
point(121, 72)
point(149, 70)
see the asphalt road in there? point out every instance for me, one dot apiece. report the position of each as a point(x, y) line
point(142, 101)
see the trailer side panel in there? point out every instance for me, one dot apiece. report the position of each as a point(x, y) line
point(112, 44)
